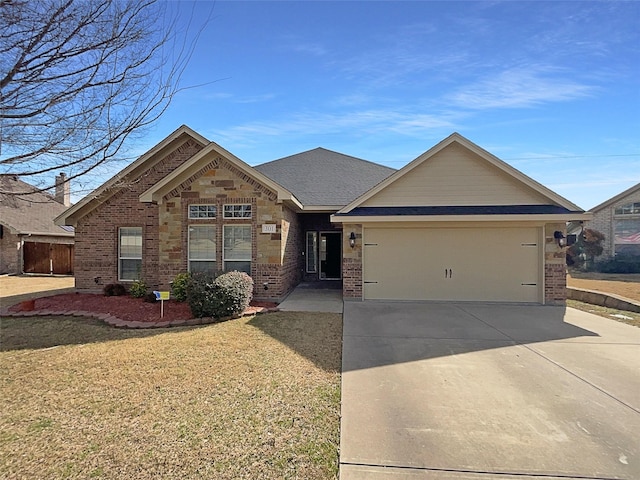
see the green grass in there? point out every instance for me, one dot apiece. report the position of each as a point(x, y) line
point(248, 398)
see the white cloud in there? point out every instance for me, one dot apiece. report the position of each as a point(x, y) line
point(520, 87)
point(373, 121)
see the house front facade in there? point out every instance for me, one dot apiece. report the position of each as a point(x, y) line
point(619, 220)
point(454, 224)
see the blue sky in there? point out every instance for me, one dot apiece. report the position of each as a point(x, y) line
point(550, 87)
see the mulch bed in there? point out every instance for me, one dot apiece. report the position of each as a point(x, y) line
point(124, 307)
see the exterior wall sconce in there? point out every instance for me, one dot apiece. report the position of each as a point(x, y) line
point(560, 238)
point(352, 239)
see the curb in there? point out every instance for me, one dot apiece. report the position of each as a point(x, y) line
point(603, 299)
point(134, 324)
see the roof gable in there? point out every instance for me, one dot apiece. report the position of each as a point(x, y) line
point(209, 157)
point(324, 178)
point(617, 198)
point(132, 171)
point(456, 172)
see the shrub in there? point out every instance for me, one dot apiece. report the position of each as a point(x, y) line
point(149, 297)
point(114, 290)
point(226, 295)
point(179, 287)
point(622, 264)
point(138, 289)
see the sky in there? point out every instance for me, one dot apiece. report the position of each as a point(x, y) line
point(552, 88)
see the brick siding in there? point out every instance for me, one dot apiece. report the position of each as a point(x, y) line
point(603, 221)
point(96, 246)
point(275, 257)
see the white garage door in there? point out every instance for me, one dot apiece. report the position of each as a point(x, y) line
point(465, 264)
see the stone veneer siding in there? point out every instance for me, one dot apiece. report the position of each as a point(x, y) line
point(352, 262)
point(273, 258)
point(603, 221)
point(96, 234)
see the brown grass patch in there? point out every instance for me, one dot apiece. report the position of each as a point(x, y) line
point(248, 398)
point(622, 284)
point(630, 318)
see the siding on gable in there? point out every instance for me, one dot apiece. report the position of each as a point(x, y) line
point(456, 176)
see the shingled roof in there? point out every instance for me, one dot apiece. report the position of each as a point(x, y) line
point(32, 213)
point(322, 177)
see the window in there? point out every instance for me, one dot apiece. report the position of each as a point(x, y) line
point(129, 253)
point(202, 248)
point(237, 248)
point(237, 211)
point(312, 252)
point(628, 209)
point(202, 211)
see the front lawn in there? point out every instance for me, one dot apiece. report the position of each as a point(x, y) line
point(256, 397)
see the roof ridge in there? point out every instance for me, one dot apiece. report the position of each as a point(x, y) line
point(326, 150)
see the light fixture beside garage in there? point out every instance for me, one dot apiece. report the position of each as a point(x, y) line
point(560, 238)
point(352, 239)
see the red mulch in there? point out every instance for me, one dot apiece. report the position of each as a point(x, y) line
point(124, 307)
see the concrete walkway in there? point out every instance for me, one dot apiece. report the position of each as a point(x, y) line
point(305, 298)
point(476, 392)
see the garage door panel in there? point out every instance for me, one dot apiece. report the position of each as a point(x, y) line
point(464, 264)
point(396, 260)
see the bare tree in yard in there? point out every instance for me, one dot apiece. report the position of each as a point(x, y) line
point(78, 78)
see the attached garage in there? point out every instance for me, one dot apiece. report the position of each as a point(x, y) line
point(463, 264)
point(457, 224)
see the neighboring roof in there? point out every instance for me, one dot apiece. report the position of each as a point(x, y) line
point(568, 208)
point(201, 159)
point(616, 198)
point(92, 200)
point(29, 214)
point(324, 178)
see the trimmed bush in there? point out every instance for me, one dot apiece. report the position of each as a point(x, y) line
point(224, 296)
point(114, 290)
point(150, 297)
point(621, 264)
point(138, 289)
point(179, 287)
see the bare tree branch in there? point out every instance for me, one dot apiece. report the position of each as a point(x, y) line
point(80, 78)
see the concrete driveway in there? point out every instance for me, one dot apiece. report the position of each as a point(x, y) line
point(476, 391)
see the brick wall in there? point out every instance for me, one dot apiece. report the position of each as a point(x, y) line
point(555, 269)
point(96, 246)
point(10, 253)
point(603, 221)
point(352, 263)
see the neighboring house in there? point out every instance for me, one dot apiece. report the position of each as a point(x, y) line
point(30, 242)
point(619, 220)
point(457, 223)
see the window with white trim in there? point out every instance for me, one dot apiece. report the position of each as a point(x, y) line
point(202, 248)
point(236, 250)
point(202, 211)
point(237, 210)
point(129, 253)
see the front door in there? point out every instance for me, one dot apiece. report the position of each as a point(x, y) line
point(330, 255)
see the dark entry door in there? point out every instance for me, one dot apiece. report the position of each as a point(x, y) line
point(330, 255)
